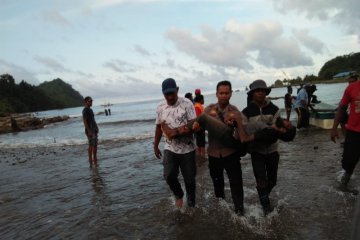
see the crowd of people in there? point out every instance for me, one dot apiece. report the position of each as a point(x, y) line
point(232, 134)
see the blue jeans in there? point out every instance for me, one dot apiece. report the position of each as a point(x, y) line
point(186, 162)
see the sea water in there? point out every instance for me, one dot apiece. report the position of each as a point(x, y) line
point(133, 120)
point(49, 192)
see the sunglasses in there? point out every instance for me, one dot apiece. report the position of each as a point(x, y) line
point(90, 100)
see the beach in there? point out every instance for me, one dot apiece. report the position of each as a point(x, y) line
point(50, 192)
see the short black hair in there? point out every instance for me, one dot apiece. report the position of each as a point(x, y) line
point(188, 95)
point(199, 98)
point(223, 83)
point(87, 98)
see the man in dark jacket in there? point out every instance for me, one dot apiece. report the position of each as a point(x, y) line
point(264, 156)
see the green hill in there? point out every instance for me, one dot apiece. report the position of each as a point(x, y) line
point(62, 93)
point(24, 97)
point(340, 64)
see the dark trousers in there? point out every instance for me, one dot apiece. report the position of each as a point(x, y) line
point(351, 152)
point(303, 117)
point(265, 167)
point(186, 162)
point(233, 169)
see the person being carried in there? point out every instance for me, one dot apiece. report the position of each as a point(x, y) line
point(180, 152)
point(91, 130)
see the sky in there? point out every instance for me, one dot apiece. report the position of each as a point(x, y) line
point(122, 50)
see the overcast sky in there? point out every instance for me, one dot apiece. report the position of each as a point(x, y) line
point(120, 50)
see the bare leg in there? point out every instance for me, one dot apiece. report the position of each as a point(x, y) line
point(90, 155)
point(95, 156)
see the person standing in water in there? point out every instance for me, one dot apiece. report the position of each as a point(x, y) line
point(288, 99)
point(91, 130)
point(264, 156)
point(351, 152)
point(179, 152)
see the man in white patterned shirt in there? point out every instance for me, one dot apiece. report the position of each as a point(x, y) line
point(179, 152)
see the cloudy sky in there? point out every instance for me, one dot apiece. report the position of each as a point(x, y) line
point(121, 50)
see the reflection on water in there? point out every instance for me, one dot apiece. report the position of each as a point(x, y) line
point(97, 180)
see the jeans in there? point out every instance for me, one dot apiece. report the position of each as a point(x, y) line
point(232, 166)
point(186, 162)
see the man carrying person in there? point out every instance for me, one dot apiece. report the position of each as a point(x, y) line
point(264, 156)
point(179, 152)
point(351, 152)
point(91, 130)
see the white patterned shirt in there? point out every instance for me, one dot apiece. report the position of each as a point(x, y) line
point(175, 116)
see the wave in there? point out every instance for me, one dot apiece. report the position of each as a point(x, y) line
point(74, 142)
point(126, 122)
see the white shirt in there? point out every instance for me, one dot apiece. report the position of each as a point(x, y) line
point(175, 116)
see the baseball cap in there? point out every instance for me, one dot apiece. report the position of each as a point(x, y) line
point(169, 86)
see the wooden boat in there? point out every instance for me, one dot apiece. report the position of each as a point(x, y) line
point(323, 116)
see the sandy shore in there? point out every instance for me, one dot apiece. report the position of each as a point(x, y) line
point(51, 187)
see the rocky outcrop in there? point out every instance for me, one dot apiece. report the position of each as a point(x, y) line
point(26, 122)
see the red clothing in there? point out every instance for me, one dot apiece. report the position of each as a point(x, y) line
point(352, 96)
point(199, 108)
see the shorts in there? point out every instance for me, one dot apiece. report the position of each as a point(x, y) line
point(93, 140)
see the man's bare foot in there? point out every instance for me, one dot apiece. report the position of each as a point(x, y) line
point(178, 203)
point(168, 132)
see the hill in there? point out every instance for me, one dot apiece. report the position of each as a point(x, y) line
point(345, 63)
point(62, 93)
point(24, 97)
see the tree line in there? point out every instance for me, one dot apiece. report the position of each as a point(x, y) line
point(345, 63)
point(24, 97)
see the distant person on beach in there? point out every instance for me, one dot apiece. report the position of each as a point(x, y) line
point(288, 101)
point(189, 96)
point(351, 152)
point(109, 111)
point(200, 135)
point(301, 108)
point(264, 156)
point(301, 87)
point(197, 92)
point(91, 130)
point(178, 152)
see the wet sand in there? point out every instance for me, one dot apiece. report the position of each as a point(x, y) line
point(52, 193)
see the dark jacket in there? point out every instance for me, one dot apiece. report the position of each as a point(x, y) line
point(267, 114)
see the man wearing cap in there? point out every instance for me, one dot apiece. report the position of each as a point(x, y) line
point(264, 156)
point(179, 152)
point(351, 152)
point(91, 130)
point(223, 148)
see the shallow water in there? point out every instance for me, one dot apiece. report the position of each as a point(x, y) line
point(49, 192)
